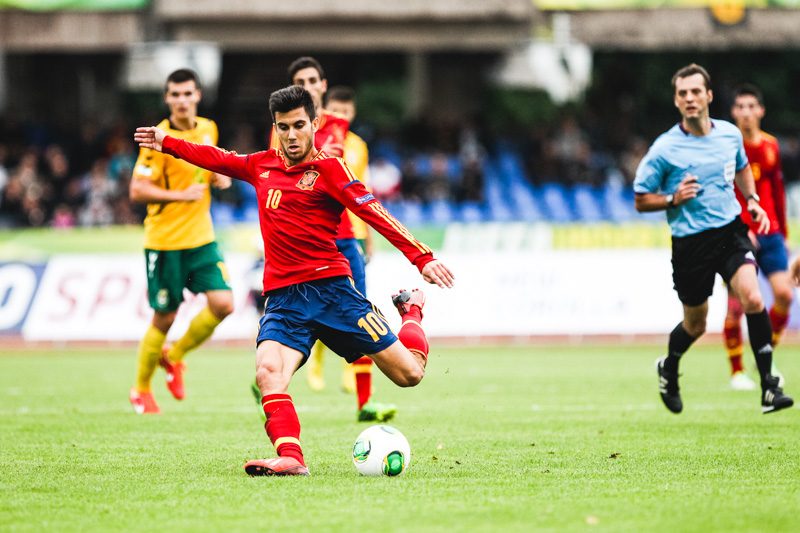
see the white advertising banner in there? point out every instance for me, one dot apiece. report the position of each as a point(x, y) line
point(96, 297)
point(566, 292)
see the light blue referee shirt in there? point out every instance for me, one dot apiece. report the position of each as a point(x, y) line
point(714, 158)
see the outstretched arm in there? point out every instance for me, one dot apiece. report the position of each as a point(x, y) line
point(360, 201)
point(202, 155)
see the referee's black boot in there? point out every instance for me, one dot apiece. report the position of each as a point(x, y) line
point(668, 387)
point(772, 396)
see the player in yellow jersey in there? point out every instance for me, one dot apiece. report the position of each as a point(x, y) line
point(180, 248)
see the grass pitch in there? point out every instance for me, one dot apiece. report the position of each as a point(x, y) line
point(503, 439)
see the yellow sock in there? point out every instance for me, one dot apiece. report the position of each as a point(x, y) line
point(149, 354)
point(315, 376)
point(200, 328)
point(348, 377)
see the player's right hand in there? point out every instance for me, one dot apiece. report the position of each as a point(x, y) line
point(149, 137)
point(194, 192)
point(436, 272)
point(687, 189)
point(794, 271)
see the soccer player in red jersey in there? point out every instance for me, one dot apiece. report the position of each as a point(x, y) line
point(301, 194)
point(771, 251)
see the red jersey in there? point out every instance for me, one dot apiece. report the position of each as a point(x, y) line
point(765, 162)
point(299, 209)
point(332, 130)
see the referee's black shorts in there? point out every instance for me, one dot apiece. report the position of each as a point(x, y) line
point(697, 258)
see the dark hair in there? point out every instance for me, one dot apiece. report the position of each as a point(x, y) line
point(181, 75)
point(290, 98)
point(691, 70)
point(748, 89)
point(340, 93)
point(305, 62)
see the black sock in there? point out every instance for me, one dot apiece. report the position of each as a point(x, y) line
point(679, 342)
point(760, 330)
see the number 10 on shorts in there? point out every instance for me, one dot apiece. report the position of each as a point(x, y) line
point(374, 325)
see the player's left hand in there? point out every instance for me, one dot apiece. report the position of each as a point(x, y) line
point(436, 272)
point(151, 137)
point(220, 181)
point(759, 216)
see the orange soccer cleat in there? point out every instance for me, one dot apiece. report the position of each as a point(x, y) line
point(143, 403)
point(174, 375)
point(278, 466)
point(404, 299)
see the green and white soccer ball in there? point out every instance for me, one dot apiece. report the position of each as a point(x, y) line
point(381, 451)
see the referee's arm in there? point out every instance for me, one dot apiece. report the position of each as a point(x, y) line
point(648, 201)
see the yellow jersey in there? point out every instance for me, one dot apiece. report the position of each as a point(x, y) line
point(356, 155)
point(177, 225)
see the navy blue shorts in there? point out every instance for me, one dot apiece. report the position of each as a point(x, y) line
point(331, 310)
point(352, 251)
point(771, 254)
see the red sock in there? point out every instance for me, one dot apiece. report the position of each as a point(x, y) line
point(363, 371)
point(283, 426)
point(411, 334)
point(779, 316)
point(733, 343)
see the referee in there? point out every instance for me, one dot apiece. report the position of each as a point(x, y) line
point(689, 171)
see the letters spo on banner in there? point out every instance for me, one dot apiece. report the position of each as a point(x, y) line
point(18, 285)
point(105, 298)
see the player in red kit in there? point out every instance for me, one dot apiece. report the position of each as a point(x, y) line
point(301, 194)
point(771, 252)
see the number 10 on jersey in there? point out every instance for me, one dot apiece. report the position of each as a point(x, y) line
point(273, 199)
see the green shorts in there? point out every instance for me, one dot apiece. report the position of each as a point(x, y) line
point(198, 269)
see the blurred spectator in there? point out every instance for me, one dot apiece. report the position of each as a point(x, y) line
point(3, 171)
point(572, 151)
point(63, 217)
point(384, 179)
point(630, 158)
point(97, 210)
point(436, 180)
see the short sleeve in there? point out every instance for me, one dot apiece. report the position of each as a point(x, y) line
point(650, 173)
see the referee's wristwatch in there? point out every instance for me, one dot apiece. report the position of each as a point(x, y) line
point(754, 196)
point(670, 198)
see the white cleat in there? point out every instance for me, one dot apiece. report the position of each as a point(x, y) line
point(741, 381)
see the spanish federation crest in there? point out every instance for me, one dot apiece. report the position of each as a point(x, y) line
point(308, 180)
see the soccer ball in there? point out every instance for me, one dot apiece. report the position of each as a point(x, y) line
point(381, 451)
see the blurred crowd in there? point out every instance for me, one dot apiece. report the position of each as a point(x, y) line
point(81, 179)
point(63, 182)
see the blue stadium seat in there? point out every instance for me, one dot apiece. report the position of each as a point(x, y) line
point(440, 212)
point(471, 212)
point(587, 207)
point(222, 214)
point(555, 200)
point(411, 213)
point(248, 213)
point(619, 207)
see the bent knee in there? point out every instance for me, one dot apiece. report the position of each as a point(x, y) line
point(784, 297)
point(695, 329)
point(752, 302)
point(411, 377)
point(222, 309)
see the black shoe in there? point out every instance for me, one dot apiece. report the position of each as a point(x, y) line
point(668, 387)
point(772, 396)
